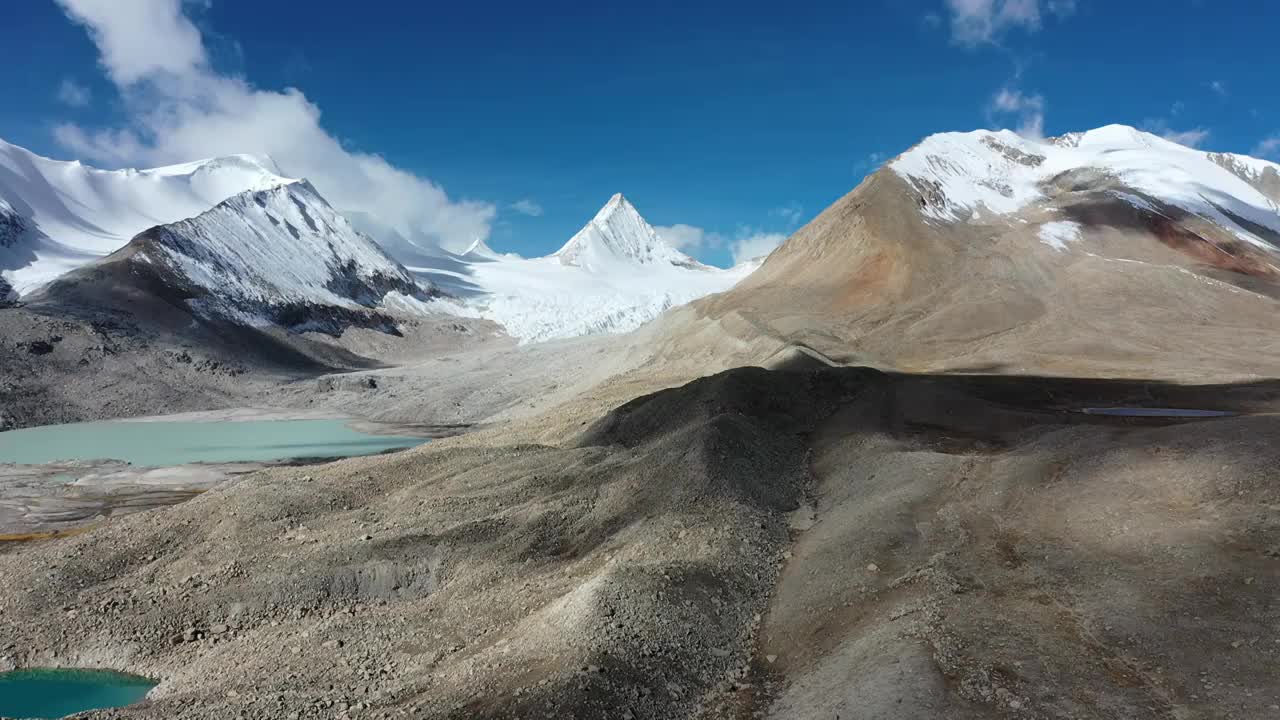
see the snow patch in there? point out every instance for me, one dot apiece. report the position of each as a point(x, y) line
point(1059, 234)
point(1140, 203)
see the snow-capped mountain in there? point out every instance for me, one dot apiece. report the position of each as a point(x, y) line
point(612, 276)
point(279, 256)
point(236, 238)
point(56, 216)
point(480, 250)
point(619, 236)
point(963, 177)
point(1111, 252)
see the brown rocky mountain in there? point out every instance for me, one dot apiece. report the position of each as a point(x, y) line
point(1135, 284)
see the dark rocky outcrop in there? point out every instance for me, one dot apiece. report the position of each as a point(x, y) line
point(11, 226)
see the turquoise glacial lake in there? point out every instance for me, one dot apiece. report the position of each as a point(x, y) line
point(57, 693)
point(163, 443)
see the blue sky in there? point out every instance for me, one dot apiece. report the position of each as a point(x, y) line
point(734, 121)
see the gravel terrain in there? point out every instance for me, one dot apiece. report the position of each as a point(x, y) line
point(61, 364)
point(756, 543)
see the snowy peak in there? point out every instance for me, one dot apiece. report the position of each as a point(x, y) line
point(614, 275)
point(480, 250)
point(619, 235)
point(69, 214)
point(246, 172)
point(281, 255)
point(962, 177)
point(242, 172)
point(618, 203)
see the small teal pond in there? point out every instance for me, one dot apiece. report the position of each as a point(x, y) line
point(40, 693)
point(164, 443)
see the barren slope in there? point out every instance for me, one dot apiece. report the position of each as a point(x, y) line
point(708, 552)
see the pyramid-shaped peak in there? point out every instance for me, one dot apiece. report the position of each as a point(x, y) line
point(616, 204)
point(480, 249)
point(618, 234)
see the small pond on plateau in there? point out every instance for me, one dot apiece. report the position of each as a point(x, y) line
point(52, 693)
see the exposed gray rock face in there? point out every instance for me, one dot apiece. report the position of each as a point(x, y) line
point(11, 225)
point(1263, 177)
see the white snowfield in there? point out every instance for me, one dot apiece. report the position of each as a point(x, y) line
point(75, 214)
point(965, 174)
point(613, 276)
point(275, 247)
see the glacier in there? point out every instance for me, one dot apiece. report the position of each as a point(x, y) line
point(612, 276)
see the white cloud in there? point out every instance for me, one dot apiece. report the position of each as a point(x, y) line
point(181, 109)
point(870, 163)
point(792, 213)
point(1269, 147)
point(753, 245)
point(139, 38)
point(1062, 8)
point(1192, 137)
point(73, 93)
point(1027, 109)
point(688, 237)
point(527, 207)
point(984, 22)
point(1218, 87)
point(747, 244)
